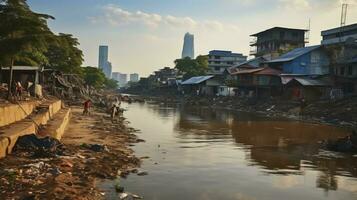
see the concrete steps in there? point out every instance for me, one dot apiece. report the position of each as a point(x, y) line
point(50, 114)
point(11, 113)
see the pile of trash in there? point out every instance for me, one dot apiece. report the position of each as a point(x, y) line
point(39, 147)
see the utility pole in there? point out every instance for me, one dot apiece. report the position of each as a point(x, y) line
point(343, 19)
point(344, 14)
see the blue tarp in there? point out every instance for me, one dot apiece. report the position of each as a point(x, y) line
point(196, 80)
point(291, 55)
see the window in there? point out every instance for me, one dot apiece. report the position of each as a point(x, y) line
point(217, 68)
point(282, 34)
point(217, 57)
point(350, 71)
point(230, 63)
point(342, 71)
point(295, 34)
point(217, 62)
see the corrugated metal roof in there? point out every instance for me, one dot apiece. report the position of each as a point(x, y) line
point(291, 55)
point(279, 28)
point(223, 53)
point(269, 71)
point(247, 71)
point(339, 29)
point(246, 64)
point(196, 80)
point(305, 81)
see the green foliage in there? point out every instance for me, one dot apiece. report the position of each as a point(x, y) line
point(63, 54)
point(24, 35)
point(192, 67)
point(94, 77)
point(111, 84)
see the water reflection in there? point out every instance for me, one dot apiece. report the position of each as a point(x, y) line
point(216, 154)
point(278, 147)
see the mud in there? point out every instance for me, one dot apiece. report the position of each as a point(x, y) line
point(74, 174)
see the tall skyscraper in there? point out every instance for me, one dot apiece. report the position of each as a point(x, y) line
point(103, 62)
point(108, 70)
point(103, 56)
point(188, 46)
point(134, 77)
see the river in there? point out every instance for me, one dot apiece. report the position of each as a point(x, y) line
point(203, 154)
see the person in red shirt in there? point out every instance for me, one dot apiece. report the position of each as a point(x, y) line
point(87, 104)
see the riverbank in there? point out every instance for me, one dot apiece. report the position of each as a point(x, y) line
point(341, 113)
point(94, 148)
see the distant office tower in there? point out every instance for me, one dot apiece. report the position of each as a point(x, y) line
point(134, 77)
point(108, 70)
point(103, 57)
point(115, 76)
point(123, 80)
point(103, 62)
point(188, 46)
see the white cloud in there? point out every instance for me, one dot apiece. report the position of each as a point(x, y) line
point(296, 4)
point(116, 16)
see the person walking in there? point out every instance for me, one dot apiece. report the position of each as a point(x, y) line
point(86, 107)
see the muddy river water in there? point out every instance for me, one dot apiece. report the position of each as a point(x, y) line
point(204, 154)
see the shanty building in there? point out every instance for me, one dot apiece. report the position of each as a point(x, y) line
point(311, 60)
point(275, 41)
point(201, 85)
point(262, 82)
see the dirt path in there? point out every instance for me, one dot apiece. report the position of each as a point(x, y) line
point(94, 148)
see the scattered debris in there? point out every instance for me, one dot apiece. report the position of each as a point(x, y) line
point(142, 173)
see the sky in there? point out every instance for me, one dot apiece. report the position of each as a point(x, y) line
point(146, 35)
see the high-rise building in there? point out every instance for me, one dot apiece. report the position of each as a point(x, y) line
point(134, 77)
point(116, 76)
point(188, 46)
point(108, 70)
point(103, 62)
point(121, 78)
point(103, 56)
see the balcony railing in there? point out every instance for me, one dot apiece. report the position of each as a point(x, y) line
point(253, 42)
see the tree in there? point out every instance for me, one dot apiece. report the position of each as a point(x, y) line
point(192, 67)
point(24, 35)
point(63, 54)
point(111, 84)
point(94, 77)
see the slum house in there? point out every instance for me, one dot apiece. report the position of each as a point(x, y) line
point(272, 42)
point(346, 76)
point(310, 88)
point(28, 76)
point(262, 82)
point(165, 75)
point(202, 85)
point(304, 62)
point(250, 64)
point(341, 43)
point(230, 78)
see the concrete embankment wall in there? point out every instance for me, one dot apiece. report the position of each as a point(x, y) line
point(10, 113)
point(9, 134)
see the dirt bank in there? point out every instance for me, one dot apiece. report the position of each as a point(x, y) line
point(342, 113)
point(74, 173)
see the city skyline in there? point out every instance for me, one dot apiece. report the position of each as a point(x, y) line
point(133, 27)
